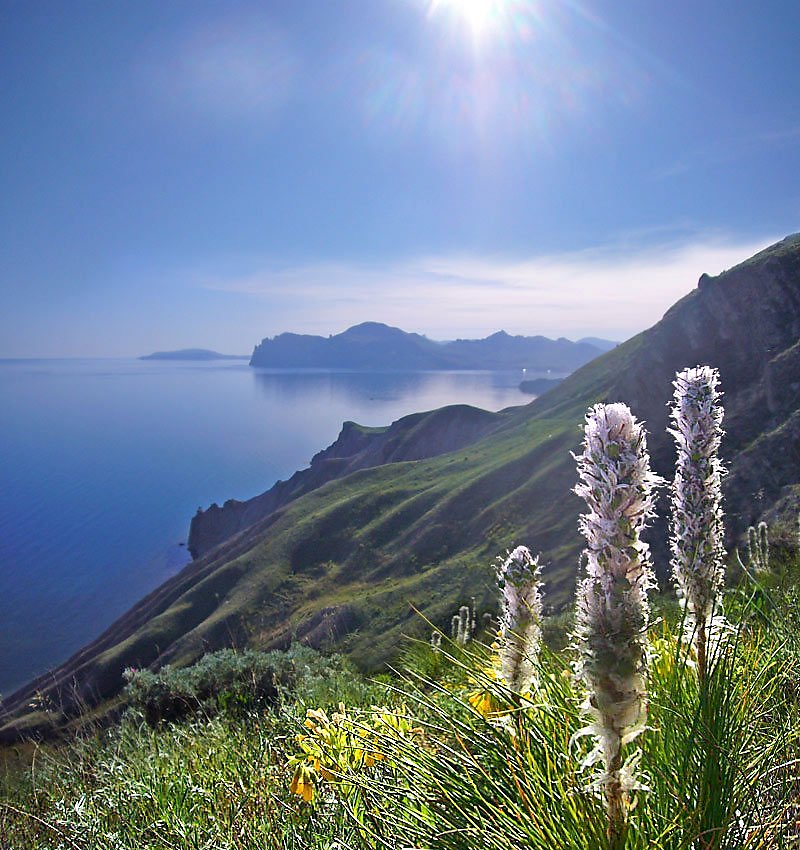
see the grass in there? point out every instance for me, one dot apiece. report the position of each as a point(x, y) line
point(209, 782)
point(719, 761)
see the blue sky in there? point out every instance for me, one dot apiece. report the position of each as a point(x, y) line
point(210, 173)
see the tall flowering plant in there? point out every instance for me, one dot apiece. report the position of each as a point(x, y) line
point(463, 627)
point(612, 616)
point(758, 547)
point(520, 633)
point(696, 540)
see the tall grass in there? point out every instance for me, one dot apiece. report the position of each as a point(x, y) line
point(720, 762)
point(718, 758)
point(208, 782)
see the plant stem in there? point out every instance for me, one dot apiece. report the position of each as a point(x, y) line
point(702, 652)
point(615, 806)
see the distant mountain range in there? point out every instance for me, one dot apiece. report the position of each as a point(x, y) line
point(192, 354)
point(375, 346)
point(389, 522)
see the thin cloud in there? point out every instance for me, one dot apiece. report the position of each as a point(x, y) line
point(602, 291)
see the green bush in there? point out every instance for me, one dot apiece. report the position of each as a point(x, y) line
point(224, 681)
point(232, 683)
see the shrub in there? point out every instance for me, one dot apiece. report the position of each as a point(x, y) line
point(226, 681)
point(232, 683)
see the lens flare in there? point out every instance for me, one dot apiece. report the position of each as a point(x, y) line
point(480, 16)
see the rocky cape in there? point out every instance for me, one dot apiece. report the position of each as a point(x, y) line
point(375, 346)
point(414, 437)
point(390, 523)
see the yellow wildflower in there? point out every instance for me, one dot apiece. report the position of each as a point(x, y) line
point(316, 717)
point(483, 703)
point(302, 784)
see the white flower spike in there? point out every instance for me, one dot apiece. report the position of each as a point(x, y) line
point(613, 614)
point(696, 540)
point(520, 632)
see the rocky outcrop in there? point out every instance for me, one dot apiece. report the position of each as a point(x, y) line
point(746, 323)
point(414, 437)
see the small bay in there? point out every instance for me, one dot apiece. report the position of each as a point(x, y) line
point(104, 462)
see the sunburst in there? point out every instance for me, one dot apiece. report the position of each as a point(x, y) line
point(480, 16)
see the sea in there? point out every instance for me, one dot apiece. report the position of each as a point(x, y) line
point(103, 463)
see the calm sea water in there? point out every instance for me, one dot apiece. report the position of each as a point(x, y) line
point(104, 462)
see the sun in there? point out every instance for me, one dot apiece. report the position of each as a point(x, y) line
point(480, 16)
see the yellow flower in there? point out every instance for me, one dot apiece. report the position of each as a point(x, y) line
point(301, 783)
point(371, 757)
point(316, 717)
point(323, 771)
point(483, 703)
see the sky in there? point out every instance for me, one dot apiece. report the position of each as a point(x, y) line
point(206, 174)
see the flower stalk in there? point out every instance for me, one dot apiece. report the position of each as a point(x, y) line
point(696, 539)
point(520, 632)
point(463, 632)
point(618, 486)
point(758, 547)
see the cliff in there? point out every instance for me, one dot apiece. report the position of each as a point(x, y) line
point(414, 437)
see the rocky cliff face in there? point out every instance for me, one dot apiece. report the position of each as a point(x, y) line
point(382, 521)
point(746, 322)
